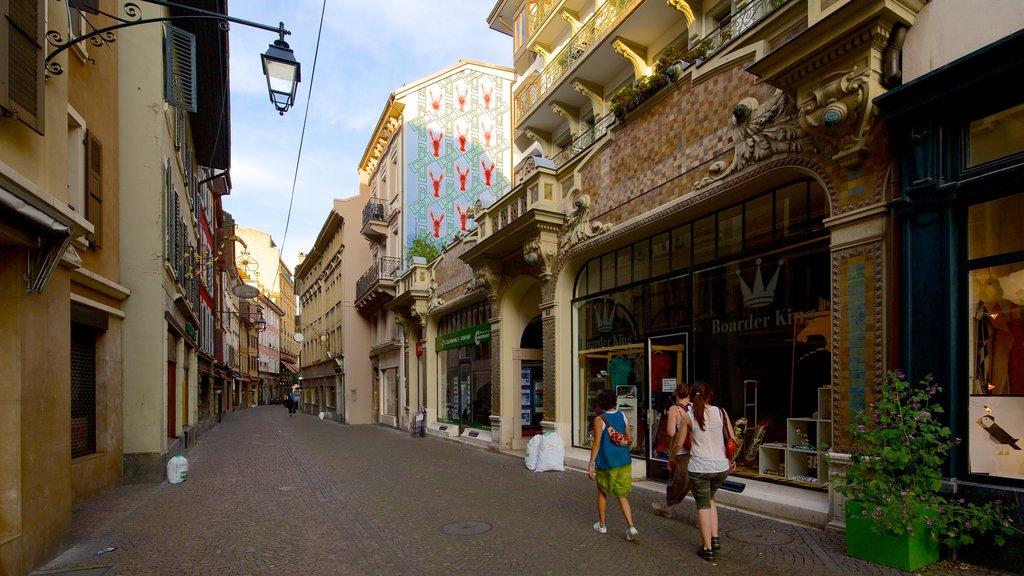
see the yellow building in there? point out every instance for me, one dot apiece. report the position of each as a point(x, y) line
point(60, 279)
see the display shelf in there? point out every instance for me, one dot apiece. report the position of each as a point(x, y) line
point(801, 458)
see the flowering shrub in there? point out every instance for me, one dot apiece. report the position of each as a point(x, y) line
point(899, 447)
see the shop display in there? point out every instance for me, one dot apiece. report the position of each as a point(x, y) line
point(800, 457)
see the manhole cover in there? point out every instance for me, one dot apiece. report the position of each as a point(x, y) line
point(764, 537)
point(466, 528)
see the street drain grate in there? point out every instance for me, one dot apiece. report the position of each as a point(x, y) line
point(763, 537)
point(466, 528)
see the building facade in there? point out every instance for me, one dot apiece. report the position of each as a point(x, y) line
point(175, 148)
point(698, 194)
point(960, 141)
point(334, 350)
point(60, 279)
point(441, 150)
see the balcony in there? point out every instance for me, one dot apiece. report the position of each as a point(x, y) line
point(375, 219)
point(377, 285)
point(584, 140)
point(589, 56)
point(530, 211)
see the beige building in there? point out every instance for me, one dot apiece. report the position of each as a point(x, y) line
point(334, 349)
point(61, 294)
point(174, 151)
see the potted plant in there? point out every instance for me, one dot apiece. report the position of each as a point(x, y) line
point(895, 512)
point(700, 52)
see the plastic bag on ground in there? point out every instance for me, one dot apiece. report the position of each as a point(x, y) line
point(552, 453)
point(533, 451)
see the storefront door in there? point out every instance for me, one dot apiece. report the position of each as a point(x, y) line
point(465, 394)
point(532, 396)
point(667, 365)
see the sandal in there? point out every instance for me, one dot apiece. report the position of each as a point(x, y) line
point(716, 545)
point(706, 553)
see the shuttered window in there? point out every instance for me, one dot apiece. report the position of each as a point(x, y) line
point(21, 74)
point(94, 187)
point(180, 68)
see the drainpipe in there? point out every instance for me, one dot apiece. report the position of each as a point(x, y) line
point(892, 61)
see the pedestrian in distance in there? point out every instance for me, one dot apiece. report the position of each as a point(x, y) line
point(679, 455)
point(611, 466)
point(293, 403)
point(707, 426)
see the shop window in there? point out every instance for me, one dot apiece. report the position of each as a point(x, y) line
point(661, 255)
point(681, 247)
point(996, 136)
point(608, 271)
point(757, 225)
point(995, 227)
point(641, 261)
point(791, 211)
point(704, 240)
point(669, 304)
point(995, 337)
point(594, 277)
point(83, 390)
point(730, 231)
point(623, 266)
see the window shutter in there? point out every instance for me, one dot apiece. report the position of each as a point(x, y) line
point(180, 68)
point(94, 187)
point(21, 75)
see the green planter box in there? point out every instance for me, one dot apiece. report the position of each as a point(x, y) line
point(907, 552)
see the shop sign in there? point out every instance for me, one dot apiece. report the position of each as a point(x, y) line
point(472, 336)
point(191, 330)
point(753, 322)
point(419, 347)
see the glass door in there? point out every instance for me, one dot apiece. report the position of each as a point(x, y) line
point(667, 364)
point(465, 394)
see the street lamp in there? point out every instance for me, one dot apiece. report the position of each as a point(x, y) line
point(282, 72)
point(279, 63)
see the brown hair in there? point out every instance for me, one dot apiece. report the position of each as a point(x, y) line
point(681, 391)
point(606, 399)
point(702, 397)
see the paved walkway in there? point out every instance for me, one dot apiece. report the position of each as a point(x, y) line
point(269, 494)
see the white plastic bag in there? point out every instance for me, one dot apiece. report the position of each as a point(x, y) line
point(552, 453)
point(177, 469)
point(533, 451)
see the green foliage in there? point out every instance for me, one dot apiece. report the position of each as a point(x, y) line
point(895, 470)
point(631, 96)
point(701, 50)
point(423, 245)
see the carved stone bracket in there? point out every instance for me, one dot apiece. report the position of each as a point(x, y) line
point(594, 92)
point(839, 113)
point(578, 227)
point(486, 277)
point(540, 252)
point(761, 131)
point(635, 53)
point(684, 7)
point(433, 301)
point(571, 115)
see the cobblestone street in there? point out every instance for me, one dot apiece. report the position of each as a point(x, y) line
point(269, 494)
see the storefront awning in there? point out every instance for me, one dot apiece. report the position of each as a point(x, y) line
point(289, 366)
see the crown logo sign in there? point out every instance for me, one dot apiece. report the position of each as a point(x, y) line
point(605, 311)
point(759, 295)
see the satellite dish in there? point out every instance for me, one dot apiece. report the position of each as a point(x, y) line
point(299, 337)
point(245, 292)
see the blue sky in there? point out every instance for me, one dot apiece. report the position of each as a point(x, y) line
point(367, 51)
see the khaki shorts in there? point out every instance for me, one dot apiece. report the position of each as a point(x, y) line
point(616, 482)
point(704, 485)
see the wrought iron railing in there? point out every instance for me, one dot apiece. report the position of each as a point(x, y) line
point(584, 140)
point(738, 24)
point(540, 14)
point(383, 269)
point(590, 32)
point(375, 209)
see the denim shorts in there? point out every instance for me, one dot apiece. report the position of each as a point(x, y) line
point(704, 485)
point(616, 482)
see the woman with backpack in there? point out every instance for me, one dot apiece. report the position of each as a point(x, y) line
point(611, 466)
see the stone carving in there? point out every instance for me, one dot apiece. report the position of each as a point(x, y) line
point(539, 254)
point(484, 278)
point(433, 301)
point(578, 227)
point(840, 113)
point(762, 131)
